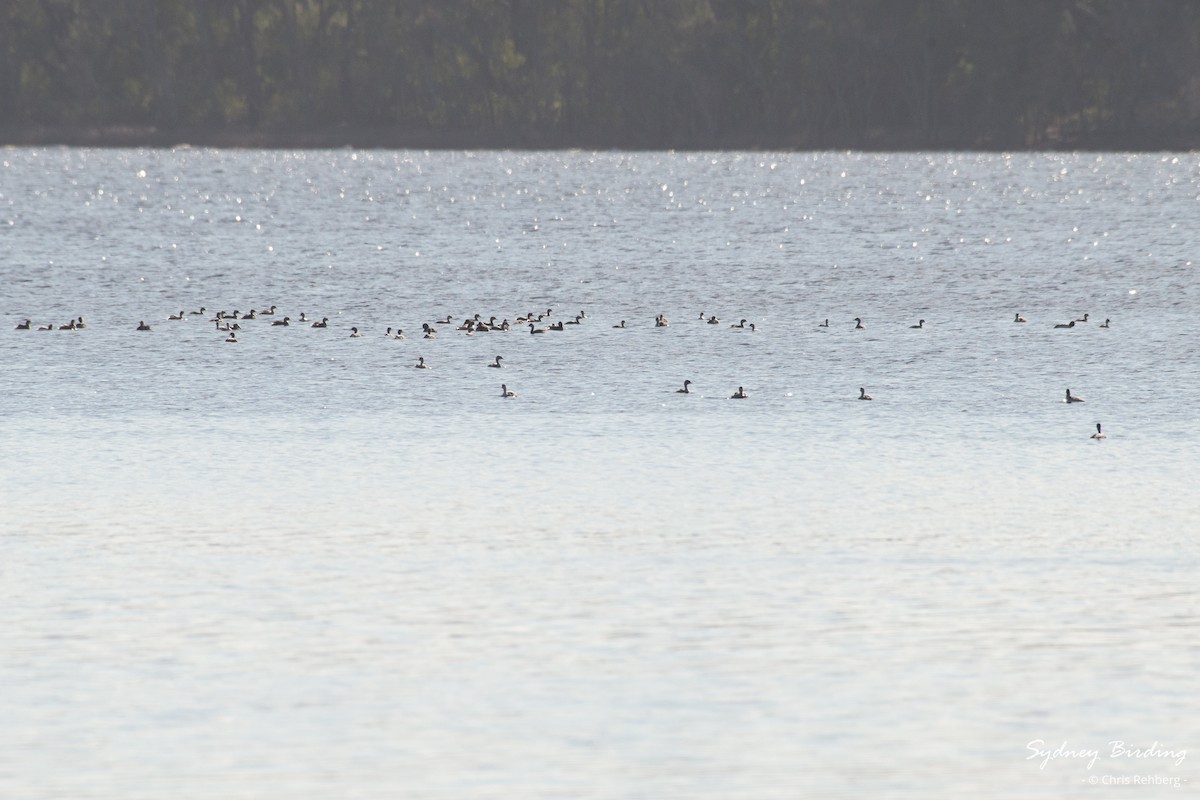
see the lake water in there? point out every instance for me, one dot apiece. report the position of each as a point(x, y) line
point(296, 566)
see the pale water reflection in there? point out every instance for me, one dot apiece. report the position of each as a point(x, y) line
point(297, 566)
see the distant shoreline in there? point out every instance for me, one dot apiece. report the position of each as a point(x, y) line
point(365, 138)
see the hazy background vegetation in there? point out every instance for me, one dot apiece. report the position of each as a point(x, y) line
point(604, 73)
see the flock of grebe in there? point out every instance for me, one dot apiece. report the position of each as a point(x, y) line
point(230, 322)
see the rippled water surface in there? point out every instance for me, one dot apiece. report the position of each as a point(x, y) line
point(296, 566)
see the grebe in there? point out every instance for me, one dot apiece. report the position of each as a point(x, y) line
point(685, 389)
point(282, 322)
point(556, 326)
point(622, 325)
point(421, 363)
point(142, 326)
point(858, 324)
point(1019, 318)
point(713, 320)
point(177, 316)
point(199, 313)
point(1106, 323)
point(354, 334)
point(1073, 398)
point(920, 324)
point(251, 314)
point(1084, 318)
point(232, 337)
point(324, 323)
point(70, 326)
point(504, 392)
point(1099, 434)
point(740, 394)
point(24, 326)
point(399, 333)
point(268, 312)
point(741, 324)
point(496, 363)
point(536, 330)
point(824, 324)
point(79, 323)
point(862, 394)
point(1070, 324)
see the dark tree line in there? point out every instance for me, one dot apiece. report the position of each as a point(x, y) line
point(605, 73)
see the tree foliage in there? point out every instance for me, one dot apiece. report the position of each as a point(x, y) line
point(623, 73)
